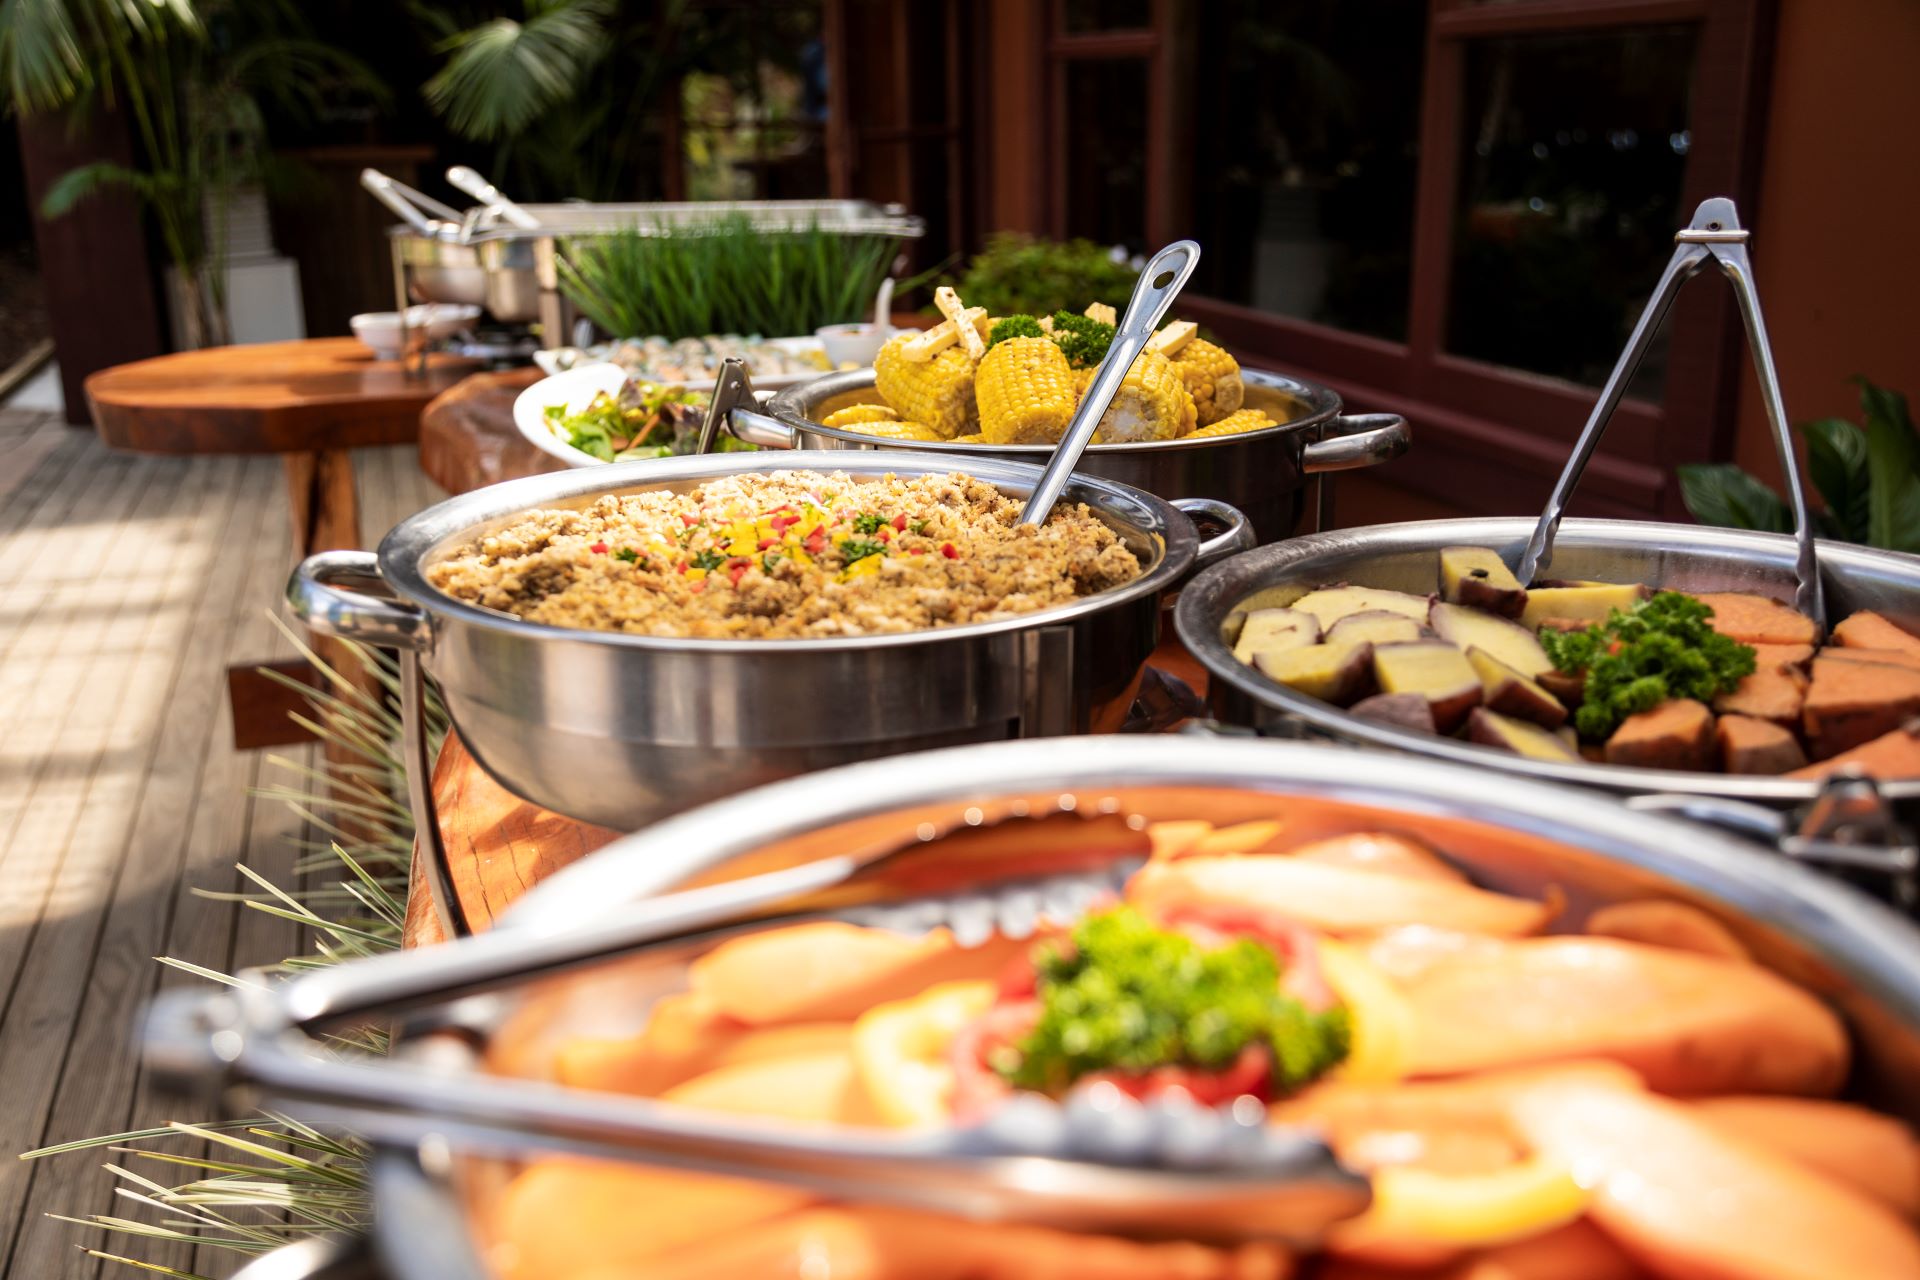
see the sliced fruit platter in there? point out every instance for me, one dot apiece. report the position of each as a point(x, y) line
point(1609, 672)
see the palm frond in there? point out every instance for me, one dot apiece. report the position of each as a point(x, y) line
point(503, 74)
point(75, 185)
point(41, 55)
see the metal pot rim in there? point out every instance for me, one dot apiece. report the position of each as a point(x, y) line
point(1869, 939)
point(788, 407)
point(1204, 605)
point(402, 552)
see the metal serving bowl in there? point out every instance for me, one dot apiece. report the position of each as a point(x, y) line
point(620, 729)
point(1403, 557)
point(1514, 835)
point(1263, 473)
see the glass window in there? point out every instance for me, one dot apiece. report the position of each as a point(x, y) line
point(1306, 121)
point(1106, 150)
point(1573, 154)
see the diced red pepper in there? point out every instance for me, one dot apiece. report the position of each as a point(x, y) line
point(765, 543)
point(697, 587)
point(689, 521)
point(900, 522)
point(783, 523)
point(816, 542)
point(736, 571)
point(885, 535)
point(681, 567)
point(598, 548)
point(916, 551)
point(946, 549)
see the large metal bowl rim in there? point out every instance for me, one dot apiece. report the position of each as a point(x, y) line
point(402, 553)
point(791, 407)
point(1206, 602)
point(1861, 937)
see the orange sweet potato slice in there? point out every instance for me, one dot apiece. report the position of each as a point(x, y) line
point(1869, 630)
point(1334, 899)
point(1752, 619)
point(1660, 923)
point(1677, 734)
point(812, 1088)
point(1691, 1200)
point(1891, 755)
point(1382, 852)
point(1849, 703)
point(1772, 693)
point(657, 1060)
point(1884, 657)
point(1873, 1153)
point(1753, 746)
point(1766, 656)
point(567, 1217)
point(832, 972)
point(1687, 1023)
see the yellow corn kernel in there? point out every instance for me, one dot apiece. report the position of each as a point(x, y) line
point(936, 392)
point(1213, 379)
point(975, 438)
point(857, 413)
point(1025, 391)
point(896, 430)
point(1234, 424)
point(1152, 404)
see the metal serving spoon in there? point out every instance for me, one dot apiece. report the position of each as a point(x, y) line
point(1160, 282)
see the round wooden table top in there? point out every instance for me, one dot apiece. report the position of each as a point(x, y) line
point(272, 397)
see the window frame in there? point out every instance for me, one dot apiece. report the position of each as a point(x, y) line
point(1481, 428)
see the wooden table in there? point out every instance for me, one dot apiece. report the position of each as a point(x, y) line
point(310, 402)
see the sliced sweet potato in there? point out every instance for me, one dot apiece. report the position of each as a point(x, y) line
point(1869, 1151)
point(1774, 655)
point(1491, 729)
point(1334, 899)
point(1774, 693)
point(1660, 923)
point(1692, 1200)
point(1401, 710)
point(1511, 692)
point(672, 1050)
point(1891, 755)
point(1568, 686)
point(1377, 626)
point(1869, 630)
point(1382, 852)
point(566, 1217)
point(1677, 734)
point(1884, 657)
point(1435, 670)
point(1850, 703)
point(1478, 577)
point(1274, 631)
point(812, 1088)
point(1752, 619)
point(1754, 746)
point(1336, 673)
point(1687, 1023)
point(1583, 603)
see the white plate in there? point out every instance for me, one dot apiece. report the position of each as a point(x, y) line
point(575, 389)
point(550, 362)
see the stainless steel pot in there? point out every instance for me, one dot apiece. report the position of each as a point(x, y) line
point(1263, 473)
point(1404, 557)
point(437, 1102)
point(621, 729)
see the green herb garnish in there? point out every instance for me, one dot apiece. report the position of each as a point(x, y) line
point(767, 562)
point(628, 554)
point(867, 523)
point(1125, 996)
point(708, 560)
point(860, 548)
point(1018, 326)
point(1662, 649)
point(918, 526)
point(1083, 339)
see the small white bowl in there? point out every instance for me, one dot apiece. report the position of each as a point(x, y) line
point(852, 344)
point(379, 332)
point(383, 334)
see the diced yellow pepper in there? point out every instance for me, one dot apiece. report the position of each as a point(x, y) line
point(900, 1051)
point(1381, 1050)
point(1419, 1206)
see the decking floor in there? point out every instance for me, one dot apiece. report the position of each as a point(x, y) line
point(127, 586)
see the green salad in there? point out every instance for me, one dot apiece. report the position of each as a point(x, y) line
point(645, 420)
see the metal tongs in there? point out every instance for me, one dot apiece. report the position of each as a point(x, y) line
point(1097, 1160)
point(1714, 237)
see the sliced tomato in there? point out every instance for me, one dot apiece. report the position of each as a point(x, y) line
point(1294, 945)
point(1248, 1075)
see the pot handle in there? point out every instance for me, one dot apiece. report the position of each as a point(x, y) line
point(735, 405)
point(757, 428)
point(1239, 535)
point(1355, 440)
point(327, 593)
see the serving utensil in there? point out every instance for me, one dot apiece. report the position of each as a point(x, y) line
point(1159, 284)
point(1714, 237)
point(491, 197)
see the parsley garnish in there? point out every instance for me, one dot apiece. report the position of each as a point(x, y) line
point(628, 554)
point(867, 523)
point(860, 548)
point(708, 560)
point(1083, 339)
point(1635, 661)
point(769, 560)
point(918, 526)
point(1125, 996)
point(1015, 326)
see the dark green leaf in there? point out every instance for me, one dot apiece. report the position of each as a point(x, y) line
point(1895, 489)
point(1837, 459)
point(1719, 493)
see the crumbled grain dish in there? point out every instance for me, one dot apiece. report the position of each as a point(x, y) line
point(786, 555)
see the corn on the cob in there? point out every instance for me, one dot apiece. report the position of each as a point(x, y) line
point(890, 430)
point(975, 438)
point(1025, 392)
point(1152, 404)
point(936, 392)
point(1235, 423)
point(1213, 379)
point(854, 414)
